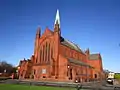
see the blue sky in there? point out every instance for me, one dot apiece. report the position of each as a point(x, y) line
point(88, 23)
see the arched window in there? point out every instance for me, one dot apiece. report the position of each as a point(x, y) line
point(49, 52)
point(40, 55)
point(38, 58)
point(43, 53)
point(46, 53)
point(34, 71)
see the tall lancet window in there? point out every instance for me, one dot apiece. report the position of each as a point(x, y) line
point(43, 53)
point(49, 52)
point(38, 59)
point(46, 53)
point(40, 55)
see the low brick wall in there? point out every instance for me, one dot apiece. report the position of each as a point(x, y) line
point(4, 78)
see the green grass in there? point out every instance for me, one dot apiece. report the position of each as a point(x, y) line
point(117, 76)
point(25, 87)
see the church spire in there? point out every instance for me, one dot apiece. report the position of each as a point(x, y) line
point(57, 23)
point(57, 19)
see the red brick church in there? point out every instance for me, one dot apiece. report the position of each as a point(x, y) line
point(56, 58)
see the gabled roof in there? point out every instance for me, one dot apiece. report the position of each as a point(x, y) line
point(94, 56)
point(70, 45)
point(48, 31)
point(78, 62)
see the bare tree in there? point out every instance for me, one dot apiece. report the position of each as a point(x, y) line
point(6, 67)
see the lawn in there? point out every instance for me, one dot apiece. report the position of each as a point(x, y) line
point(25, 87)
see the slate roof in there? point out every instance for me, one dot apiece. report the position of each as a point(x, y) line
point(71, 60)
point(70, 44)
point(94, 56)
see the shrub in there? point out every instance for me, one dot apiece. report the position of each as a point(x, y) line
point(117, 76)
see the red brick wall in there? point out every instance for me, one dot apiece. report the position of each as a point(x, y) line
point(58, 57)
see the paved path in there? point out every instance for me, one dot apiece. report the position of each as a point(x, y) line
point(93, 86)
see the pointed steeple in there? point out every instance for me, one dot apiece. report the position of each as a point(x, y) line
point(57, 23)
point(57, 19)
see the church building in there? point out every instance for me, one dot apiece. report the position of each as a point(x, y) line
point(58, 59)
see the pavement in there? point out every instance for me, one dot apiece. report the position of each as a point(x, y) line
point(89, 85)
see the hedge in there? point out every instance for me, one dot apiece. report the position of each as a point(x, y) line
point(117, 76)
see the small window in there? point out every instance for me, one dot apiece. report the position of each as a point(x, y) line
point(76, 73)
point(95, 75)
point(34, 71)
point(44, 76)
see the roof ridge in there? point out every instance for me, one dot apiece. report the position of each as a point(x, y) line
point(94, 54)
point(73, 45)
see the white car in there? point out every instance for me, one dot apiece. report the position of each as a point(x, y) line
point(110, 80)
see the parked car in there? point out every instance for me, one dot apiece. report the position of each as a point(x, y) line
point(110, 80)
